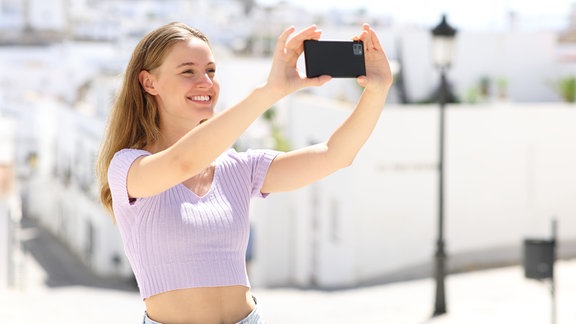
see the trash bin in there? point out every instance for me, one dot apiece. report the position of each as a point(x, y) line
point(539, 257)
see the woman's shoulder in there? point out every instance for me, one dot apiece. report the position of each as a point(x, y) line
point(128, 153)
point(247, 160)
point(248, 155)
point(126, 156)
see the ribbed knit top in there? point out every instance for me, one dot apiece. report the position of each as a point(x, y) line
point(176, 239)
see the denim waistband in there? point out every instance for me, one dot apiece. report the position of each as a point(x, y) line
point(255, 317)
point(148, 320)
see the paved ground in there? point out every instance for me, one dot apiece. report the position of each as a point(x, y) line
point(55, 289)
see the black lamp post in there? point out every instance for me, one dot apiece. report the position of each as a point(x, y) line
point(442, 55)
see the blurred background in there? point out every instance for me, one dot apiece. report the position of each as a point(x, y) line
point(494, 125)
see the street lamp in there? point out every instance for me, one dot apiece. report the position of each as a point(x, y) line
point(442, 55)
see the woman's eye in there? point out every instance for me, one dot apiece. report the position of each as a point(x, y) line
point(188, 72)
point(211, 71)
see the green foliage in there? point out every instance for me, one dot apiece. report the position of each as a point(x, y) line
point(566, 86)
point(281, 143)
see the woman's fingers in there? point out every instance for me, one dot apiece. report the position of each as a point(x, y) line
point(375, 40)
point(282, 39)
point(371, 40)
point(296, 43)
point(378, 72)
point(284, 75)
point(294, 46)
point(310, 32)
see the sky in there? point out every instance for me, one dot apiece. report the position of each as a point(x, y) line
point(462, 14)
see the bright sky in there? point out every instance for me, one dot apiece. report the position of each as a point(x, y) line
point(462, 14)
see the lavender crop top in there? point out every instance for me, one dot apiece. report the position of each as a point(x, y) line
point(176, 239)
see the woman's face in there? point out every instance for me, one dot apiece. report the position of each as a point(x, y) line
point(185, 86)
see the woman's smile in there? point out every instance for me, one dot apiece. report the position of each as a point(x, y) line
point(201, 99)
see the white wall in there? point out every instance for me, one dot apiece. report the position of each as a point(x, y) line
point(62, 194)
point(529, 62)
point(47, 15)
point(526, 60)
point(509, 170)
point(9, 205)
point(6, 163)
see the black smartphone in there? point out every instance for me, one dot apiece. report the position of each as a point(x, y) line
point(339, 59)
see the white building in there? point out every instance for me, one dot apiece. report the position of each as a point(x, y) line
point(509, 172)
point(10, 213)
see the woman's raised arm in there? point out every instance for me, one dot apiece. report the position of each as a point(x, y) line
point(304, 166)
point(199, 147)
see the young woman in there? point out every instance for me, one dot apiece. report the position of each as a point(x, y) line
point(180, 196)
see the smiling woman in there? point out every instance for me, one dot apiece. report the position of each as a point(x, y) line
point(180, 196)
point(185, 87)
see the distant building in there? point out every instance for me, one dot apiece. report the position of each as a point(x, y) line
point(569, 34)
point(9, 205)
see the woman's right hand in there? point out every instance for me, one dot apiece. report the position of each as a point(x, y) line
point(284, 77)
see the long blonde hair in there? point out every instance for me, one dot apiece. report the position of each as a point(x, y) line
point(134, 120)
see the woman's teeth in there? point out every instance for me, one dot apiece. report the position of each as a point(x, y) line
point(201, 98)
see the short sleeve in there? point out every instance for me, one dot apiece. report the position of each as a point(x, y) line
point(260, 161)
point(118, 174)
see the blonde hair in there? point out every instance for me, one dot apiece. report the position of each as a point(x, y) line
point(134, 120)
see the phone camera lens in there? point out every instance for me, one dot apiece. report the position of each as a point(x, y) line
point(357, 49)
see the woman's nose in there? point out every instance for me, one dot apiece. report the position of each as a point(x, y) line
point(205, 81)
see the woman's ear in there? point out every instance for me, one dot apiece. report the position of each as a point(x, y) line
point(147, 82)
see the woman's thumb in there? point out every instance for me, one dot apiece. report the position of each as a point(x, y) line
point(318, 81)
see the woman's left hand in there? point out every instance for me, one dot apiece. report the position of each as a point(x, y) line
point(378, 73)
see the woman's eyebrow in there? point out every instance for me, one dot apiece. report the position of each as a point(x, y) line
point(186, 64)
point(193, 64)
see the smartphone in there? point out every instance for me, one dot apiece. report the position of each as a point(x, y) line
point(339, 59)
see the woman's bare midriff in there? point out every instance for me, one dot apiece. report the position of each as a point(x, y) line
point(218, 305)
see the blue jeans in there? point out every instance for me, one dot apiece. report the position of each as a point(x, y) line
point(255, 317)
